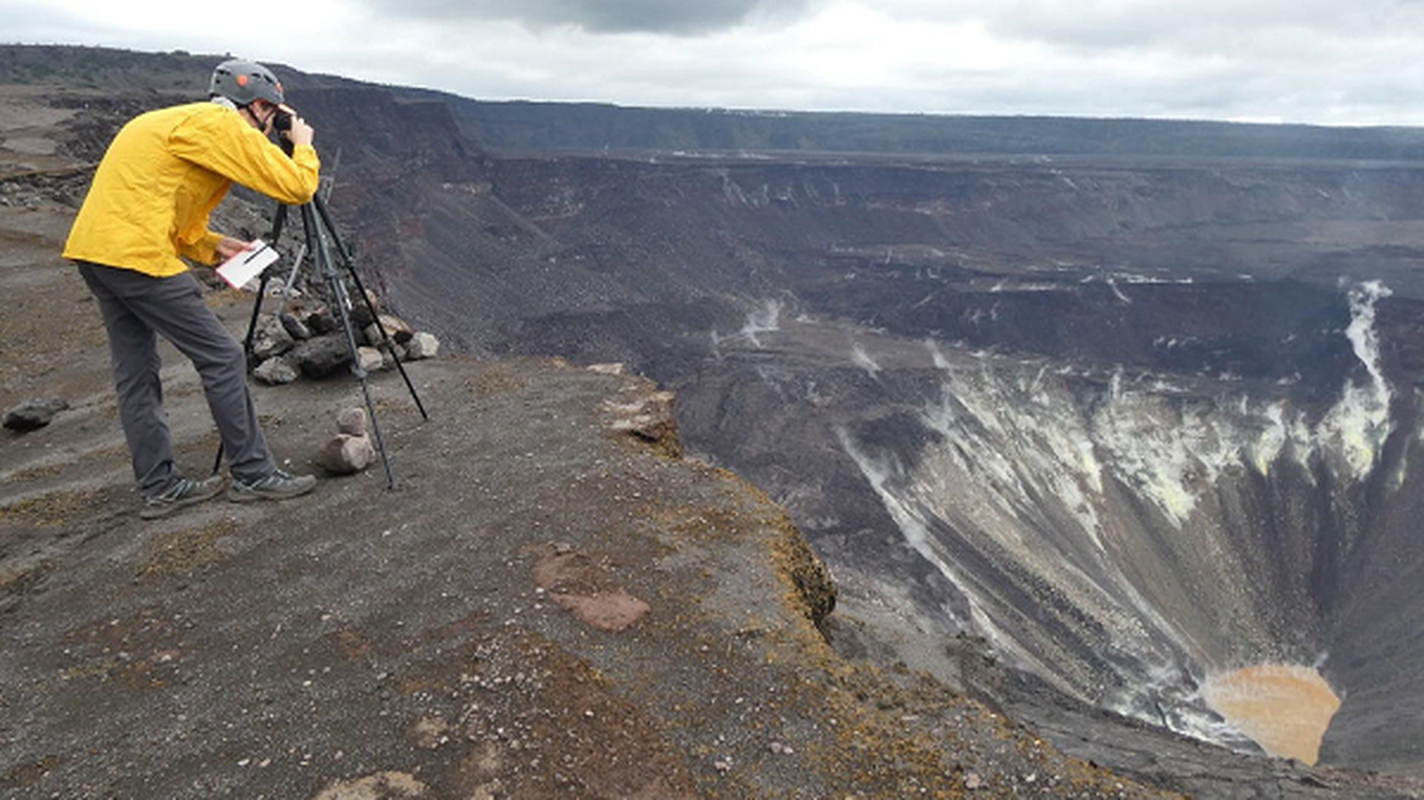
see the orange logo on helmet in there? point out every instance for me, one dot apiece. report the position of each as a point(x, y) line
point(241, 80)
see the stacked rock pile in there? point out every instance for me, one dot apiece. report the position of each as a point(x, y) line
point(306, 340)
point(350, 451)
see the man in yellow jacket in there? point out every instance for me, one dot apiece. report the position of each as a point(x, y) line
point(160, 179)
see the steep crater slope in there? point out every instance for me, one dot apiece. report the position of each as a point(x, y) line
point(1126, 533)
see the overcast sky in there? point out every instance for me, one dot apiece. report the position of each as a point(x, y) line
point(1356, 62)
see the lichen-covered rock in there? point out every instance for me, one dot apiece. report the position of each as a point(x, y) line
point(422, 345)
point(271, 338)
point(275, 371)
point(370, 359)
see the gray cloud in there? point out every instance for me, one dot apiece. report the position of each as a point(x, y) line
point(1201, 26)
point(600, 16)
point(1318, 61)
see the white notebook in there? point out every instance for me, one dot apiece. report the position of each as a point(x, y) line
point(248, 264)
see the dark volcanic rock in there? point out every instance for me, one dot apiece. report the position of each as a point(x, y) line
point(297, 329)
point(361, 313)
point(322, 356)
point(321, 319)
point(34, 414)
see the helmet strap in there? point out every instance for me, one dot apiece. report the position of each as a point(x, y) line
point(262, 124)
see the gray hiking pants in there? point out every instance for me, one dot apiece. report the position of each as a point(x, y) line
point(135, 307)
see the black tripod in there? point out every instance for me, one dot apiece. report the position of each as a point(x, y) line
point(318, 228)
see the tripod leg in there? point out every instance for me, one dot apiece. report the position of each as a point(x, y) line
point(316, 245)
point(256, 313)
point(330, 226)
point(292, 276)
point(365, 298)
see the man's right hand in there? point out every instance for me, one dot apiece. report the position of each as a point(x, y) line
point(300, 132)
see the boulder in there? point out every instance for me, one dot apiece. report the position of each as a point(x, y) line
point(322, 356)
point(271, 338)
point(275, 371)
point(422, 345)
point(33, 414)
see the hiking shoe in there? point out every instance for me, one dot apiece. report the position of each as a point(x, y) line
point(277, 486)
point(185, 492)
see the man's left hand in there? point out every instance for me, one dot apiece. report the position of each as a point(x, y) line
point(230, 247)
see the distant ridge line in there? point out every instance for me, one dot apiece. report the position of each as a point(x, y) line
point(525, 126)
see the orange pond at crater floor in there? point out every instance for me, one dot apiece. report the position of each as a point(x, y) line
point(1285, 709)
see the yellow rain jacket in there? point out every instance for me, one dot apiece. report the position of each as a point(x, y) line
point(164, 174)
